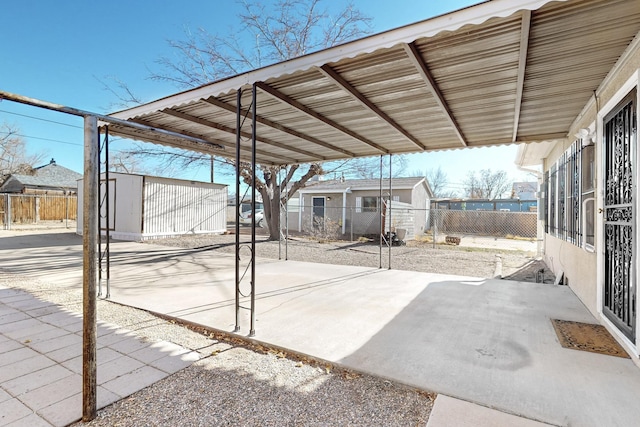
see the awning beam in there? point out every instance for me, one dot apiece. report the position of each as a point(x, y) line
point(522, 63)
point(225, 106)
point(423, 69)
point(331, 74)
point(314, 114)
point(222, 128)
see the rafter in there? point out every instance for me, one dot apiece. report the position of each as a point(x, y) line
point(522, 64)
point(423, 69)
point(225, 106)
point(366, 103)
point(308, 111)
point(232, 131)
point(284, 159)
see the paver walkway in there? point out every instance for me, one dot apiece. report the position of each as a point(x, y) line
point(41, 362)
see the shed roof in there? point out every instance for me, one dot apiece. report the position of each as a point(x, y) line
point(338, 186)
point(496, 73)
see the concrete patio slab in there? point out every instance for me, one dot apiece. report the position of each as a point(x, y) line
point(484, 341)
point(450, 412)
point(41, 364)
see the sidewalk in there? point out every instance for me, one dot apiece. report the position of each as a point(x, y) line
point(41, 362)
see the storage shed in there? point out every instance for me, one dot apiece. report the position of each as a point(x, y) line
point(145, 207)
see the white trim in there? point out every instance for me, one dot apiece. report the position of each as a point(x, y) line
point(473, 15)
point(633, 82)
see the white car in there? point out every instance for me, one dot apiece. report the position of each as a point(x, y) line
point(245, 218)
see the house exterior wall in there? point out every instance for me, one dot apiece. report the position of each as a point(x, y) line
point(358, 221)
point(421, 201)
point(582, 268)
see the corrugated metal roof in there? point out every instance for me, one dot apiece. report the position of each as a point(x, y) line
point(497, 73)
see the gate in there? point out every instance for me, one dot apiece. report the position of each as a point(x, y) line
point(619, 298)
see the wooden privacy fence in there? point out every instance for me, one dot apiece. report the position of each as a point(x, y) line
point(34, 208)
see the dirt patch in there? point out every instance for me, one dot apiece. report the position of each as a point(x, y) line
point(535, 271)
point(415, 256)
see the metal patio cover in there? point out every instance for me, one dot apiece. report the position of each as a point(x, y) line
point(501, 72)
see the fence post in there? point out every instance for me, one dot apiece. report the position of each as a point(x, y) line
point(351, 221)
point(9, 213)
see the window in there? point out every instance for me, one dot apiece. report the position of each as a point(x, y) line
point(588, 192)
point(369, 204)
point(569, 188)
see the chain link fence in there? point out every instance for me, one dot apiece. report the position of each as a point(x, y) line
point(483, 223)
point(351, 222)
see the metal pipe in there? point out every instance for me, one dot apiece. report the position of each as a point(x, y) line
point(89, 265)
point(380, 208)
point(279, 207)
point(106, 215)
point(286, 222)
point(107, 119)
point(254, 90)
point(390, 242)
point(238, 204)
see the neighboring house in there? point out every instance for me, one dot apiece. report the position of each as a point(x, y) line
point(353, 206)
point(589, 200)
point(503, 205)
point(49, 179)
point(148, 207)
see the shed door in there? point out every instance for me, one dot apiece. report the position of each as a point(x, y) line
point(619, 297)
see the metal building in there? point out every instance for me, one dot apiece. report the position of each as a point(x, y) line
point(145, 207)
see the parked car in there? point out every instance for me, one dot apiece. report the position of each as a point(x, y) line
point(245, 218)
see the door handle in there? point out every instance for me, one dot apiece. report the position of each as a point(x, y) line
point(599, 210)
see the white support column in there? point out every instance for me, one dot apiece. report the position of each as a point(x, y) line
point(89, 262)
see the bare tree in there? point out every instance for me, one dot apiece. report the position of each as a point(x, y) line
point(285, 30)
point(13, 153)
point(438, 182)
point(486, 184)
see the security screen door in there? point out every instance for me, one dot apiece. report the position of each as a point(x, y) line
point(619, 148)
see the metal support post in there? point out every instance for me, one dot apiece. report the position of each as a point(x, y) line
point(254, 90)
point(381, 217)
point(390, 242)
point(238, 204)
point(89, 264)
point(286, 221)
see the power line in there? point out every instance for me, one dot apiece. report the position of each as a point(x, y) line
point(43, 139)
point(41, 119)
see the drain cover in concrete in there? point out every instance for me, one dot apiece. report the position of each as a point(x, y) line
point(587, 337)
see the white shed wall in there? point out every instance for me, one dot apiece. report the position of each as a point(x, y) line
point(144, 207)
point(178, 207)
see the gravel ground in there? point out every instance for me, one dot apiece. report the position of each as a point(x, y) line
point(416, 256)
point(237, 383)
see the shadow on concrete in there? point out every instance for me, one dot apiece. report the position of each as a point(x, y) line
point(491, 342)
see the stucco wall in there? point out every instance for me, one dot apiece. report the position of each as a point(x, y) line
point(579, 267)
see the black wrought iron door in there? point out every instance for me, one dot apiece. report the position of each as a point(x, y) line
point(619, 302)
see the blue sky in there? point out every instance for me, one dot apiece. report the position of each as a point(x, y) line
point(58, 50)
